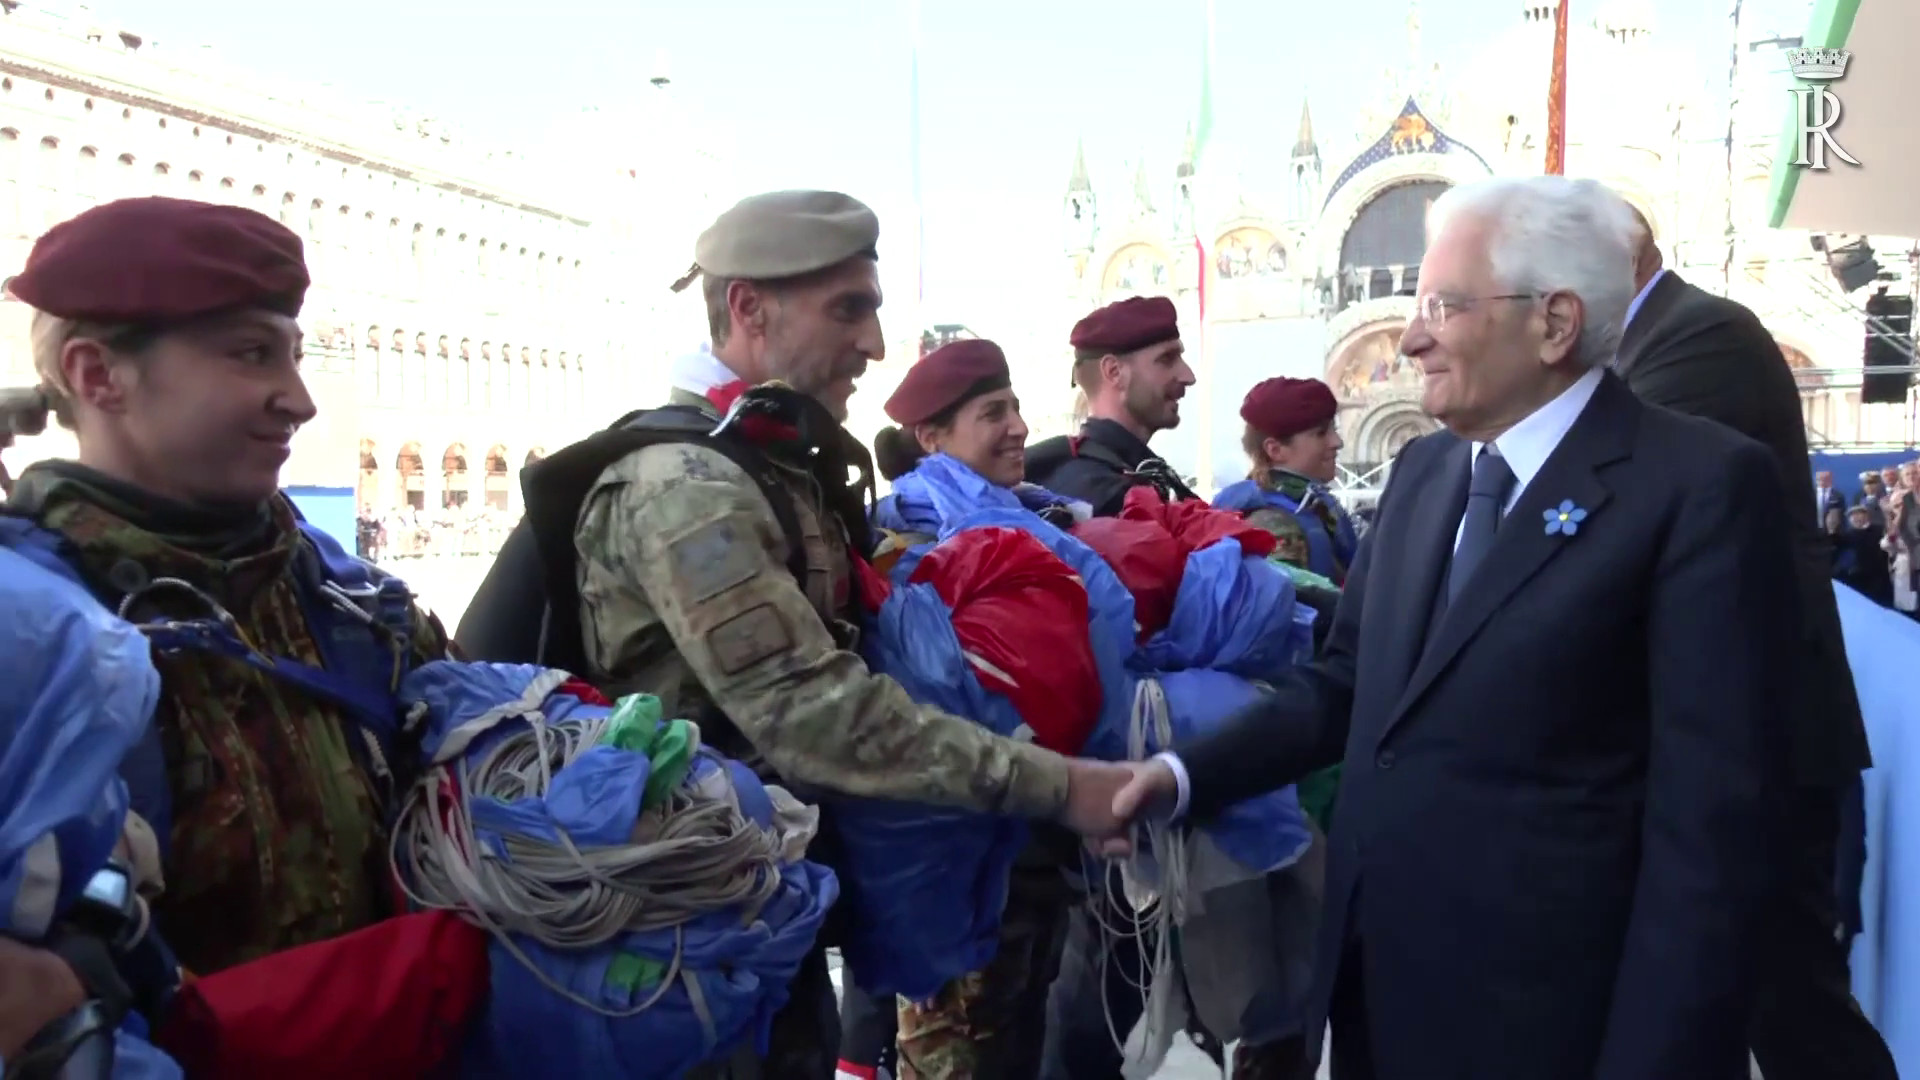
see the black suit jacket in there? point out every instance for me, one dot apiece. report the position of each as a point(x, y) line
point(1706, 355)
point(1555, 829)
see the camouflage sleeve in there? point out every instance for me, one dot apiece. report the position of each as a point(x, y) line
point(1292, 546)
point(680, 533)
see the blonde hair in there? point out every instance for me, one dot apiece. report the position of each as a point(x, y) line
point(54, 397)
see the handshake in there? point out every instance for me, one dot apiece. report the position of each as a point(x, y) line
point(1105, 799)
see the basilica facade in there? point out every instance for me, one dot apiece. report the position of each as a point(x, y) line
point(1310, 273)
point(472, 306)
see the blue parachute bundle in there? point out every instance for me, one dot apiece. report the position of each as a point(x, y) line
point(77, 692)
point(1234, 624)
point(640, 1003)
point(928, 884)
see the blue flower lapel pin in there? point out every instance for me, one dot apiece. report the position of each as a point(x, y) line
point(1565, 519)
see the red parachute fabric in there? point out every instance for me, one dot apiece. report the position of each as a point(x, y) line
point(1147, 560)
point(390, 1001)
point(1195, 524)
point(1021, 616)
point(1148, 545)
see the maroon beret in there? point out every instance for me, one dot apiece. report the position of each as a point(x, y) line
point(950, 375)
point(1126, 325)
point(1280, 408)
point(157, 260)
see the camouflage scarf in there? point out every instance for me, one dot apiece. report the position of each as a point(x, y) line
point(277, 836)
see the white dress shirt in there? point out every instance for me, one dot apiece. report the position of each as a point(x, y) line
point(1526, 446)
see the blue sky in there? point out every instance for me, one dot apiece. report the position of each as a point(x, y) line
point(818, 95)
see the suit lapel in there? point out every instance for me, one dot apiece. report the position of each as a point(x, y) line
point(1666, 292)
point(1422, 552)
point(1603, 434)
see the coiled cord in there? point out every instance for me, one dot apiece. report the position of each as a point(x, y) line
point(693, 855)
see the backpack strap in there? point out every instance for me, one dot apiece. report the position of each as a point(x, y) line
point(361, 620)
point(1152, 471)
point(542, 547)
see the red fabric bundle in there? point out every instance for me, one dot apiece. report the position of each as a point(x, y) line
point(1148, 545)
point(1147, 560)
point(392, 1000)
point(1021, 615)
point(1195, 524)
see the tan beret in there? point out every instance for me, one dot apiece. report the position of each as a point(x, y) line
point(783, 234)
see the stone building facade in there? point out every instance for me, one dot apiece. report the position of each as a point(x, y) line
point(1309, 273)
point(472, 306)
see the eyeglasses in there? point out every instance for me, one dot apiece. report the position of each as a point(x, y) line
point(1435, 308)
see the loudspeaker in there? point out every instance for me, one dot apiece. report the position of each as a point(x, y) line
point(1853, 265)
point(1889, 328)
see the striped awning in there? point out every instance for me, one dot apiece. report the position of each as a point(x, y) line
point(1879, 97)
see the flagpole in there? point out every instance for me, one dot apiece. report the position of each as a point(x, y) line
point(1557, 97)
point(913, 142)
point(1203, 463)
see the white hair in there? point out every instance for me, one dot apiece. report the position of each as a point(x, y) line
point(1554, 234)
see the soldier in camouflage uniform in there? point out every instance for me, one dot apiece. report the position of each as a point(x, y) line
point(959, 401)
point(686, 593)
point(164, 335)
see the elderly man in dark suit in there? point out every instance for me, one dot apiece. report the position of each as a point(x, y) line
point(1557, 676)
point(1709, 356)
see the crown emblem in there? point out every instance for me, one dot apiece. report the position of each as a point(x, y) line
point(1818, 64)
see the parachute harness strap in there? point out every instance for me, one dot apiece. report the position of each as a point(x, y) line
point(1153, 910)
point(692, 855)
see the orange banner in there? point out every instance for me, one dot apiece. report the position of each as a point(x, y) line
point(1557, 97)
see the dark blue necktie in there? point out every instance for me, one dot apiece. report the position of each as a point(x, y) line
point(1486, 498)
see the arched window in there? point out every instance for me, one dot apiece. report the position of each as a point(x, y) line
point(497, 478)
point(368, 488)
point(413, 475)
point(456, 484)
point(49, 199)
point(10, 172)
point(480, 374)
point(86, 177)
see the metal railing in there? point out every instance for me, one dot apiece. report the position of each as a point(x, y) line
point(1836, 418)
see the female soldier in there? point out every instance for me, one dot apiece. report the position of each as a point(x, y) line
point(1294, 446)
point(960, 401)
point(164, 336)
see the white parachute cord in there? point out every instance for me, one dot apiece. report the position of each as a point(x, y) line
point(694, 854)
point(1149, 885)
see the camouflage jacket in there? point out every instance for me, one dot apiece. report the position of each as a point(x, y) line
point(685, 594)
point(277, 837)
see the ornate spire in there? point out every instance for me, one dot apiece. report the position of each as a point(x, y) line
point(1303, 144)
point(1142, 188)
point(1187, 155)
point(1079, 181)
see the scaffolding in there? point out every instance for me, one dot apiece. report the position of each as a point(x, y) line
point(1839, 420)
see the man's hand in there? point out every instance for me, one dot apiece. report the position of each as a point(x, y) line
point(1152, 790)
point(1103, 801)
point(36, 988)
point(1092, 787)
